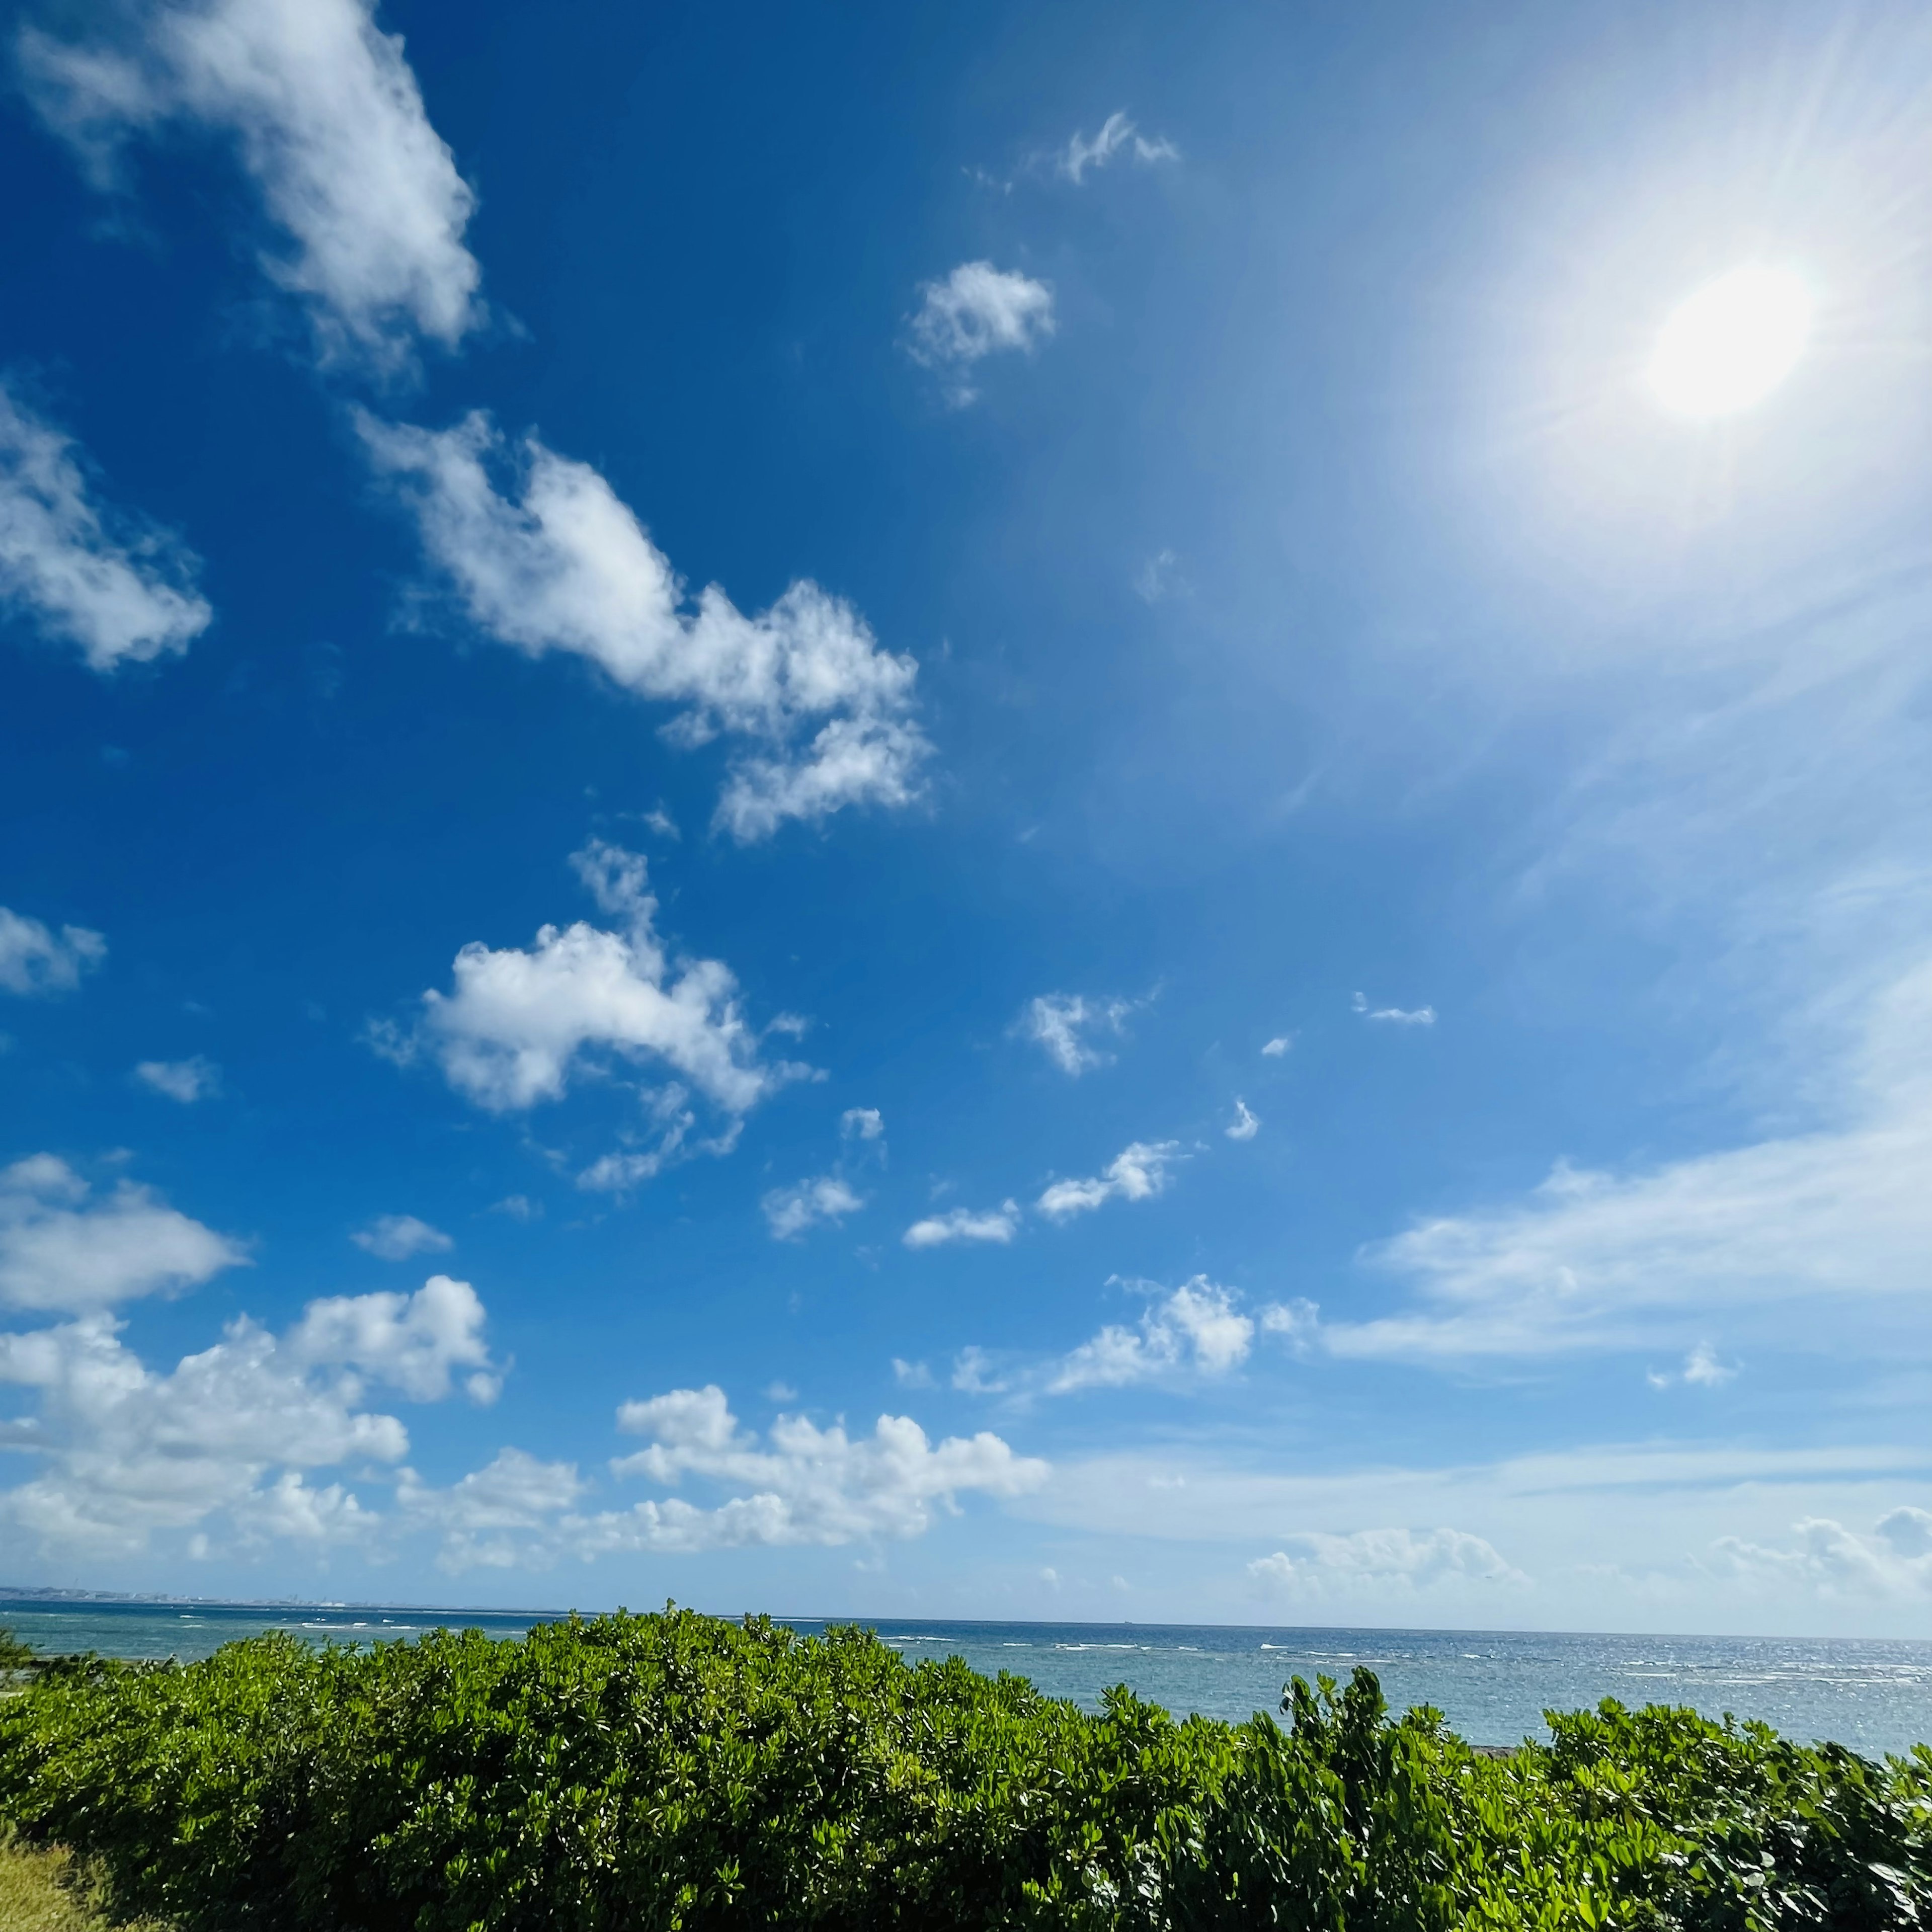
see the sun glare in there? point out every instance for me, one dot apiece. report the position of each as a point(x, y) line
point(1731, 342)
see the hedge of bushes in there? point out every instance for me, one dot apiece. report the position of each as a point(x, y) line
point(638, 1772)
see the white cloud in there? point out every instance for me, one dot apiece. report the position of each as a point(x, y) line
point(789, 1211)
point(35, 960)
point(1117, 135)
point(410, 1341)
point(1138, 1173)
point(1830, 1562)
point(1245, 1125)
point(963, 1224)
point(972, 1373)
point(1422, 1016)
point(502, 1516)
point(1158, 577)
point(187, 1081)
point(562, 565)
point(801, 1485)
point(60, 1251)
point(1059, 1023)
point(1297, 1322)
point(1703, 1367)
point(1840, 1218)
point(518, 1025)
point(226, 1437)
point(1316, 1564)
point(1197, 1330)
point(862, 1123)
point(329, 123)
point(77, 573)
point(394, 1237)
point(978, 310)
point(911, 1375)
point(1277, 1046)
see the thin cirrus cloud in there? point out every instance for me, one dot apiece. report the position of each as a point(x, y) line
point(1414, 1016)
point(519, 1024)
point(789, 1211)
point(395, 1237)
point(967, 1225)
point(1138, 1172)
point(560, 563)
point(1064, 1027)
point(1839, 1219)
point(976, 311)
point(65, 1249)
point(239, 1428)
point(1117, 136)
point(80, 572)
point(184, 1081)
point(329, 122)
point(35, 961)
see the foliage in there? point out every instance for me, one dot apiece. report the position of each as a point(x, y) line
point(630, 1774)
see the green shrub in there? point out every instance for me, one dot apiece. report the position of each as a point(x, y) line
point(628, 1774)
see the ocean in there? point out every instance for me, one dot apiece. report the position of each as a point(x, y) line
point(1492, 1686)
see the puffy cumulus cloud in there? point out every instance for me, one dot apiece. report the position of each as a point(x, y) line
point(1380, 1561)
point(519, 1024)
point(800, 1484)
point(789, 1211)
point(329, 123)
point(1826, 1560)
point(1059, 1025)
point(80, 574)
point(978, 310)
point(64, 1250)
point(395, 1237)
point(1138, 1173)
point(1415, 1016)
point(862, 1123)
point(1245, 1125)
point(965, 1224)
point(228, 1440)
point(1196, 1330)
point(559, 563)
point(412, 1342)
point(186, 1081)
point(35, 960)
point(1117, 136)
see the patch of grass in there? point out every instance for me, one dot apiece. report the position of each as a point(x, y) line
point(43, 1892)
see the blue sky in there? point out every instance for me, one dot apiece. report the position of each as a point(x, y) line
point(969, 813)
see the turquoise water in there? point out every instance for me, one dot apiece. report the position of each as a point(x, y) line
point(1493, 1686)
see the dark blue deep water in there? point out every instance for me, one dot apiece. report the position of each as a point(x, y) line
point(1874, 1696)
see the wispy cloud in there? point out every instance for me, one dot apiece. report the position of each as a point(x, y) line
point(1138, 1172)
point(559, 563)
point(1196, 1330)
point(996, 1225)
point(329, 122)
point(80, 572)
point(395, 1237)
point(36, 961)
point(1245, 1125)
point(976, 311)
point(1416, 1016)
point(1064, 1025)
point(1117, 136)
point(789, 1211)
point(187, 1081)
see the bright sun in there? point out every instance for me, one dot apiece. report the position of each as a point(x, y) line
point(1731, 342)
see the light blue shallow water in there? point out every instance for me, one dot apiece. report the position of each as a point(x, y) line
point(1493, 1686)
